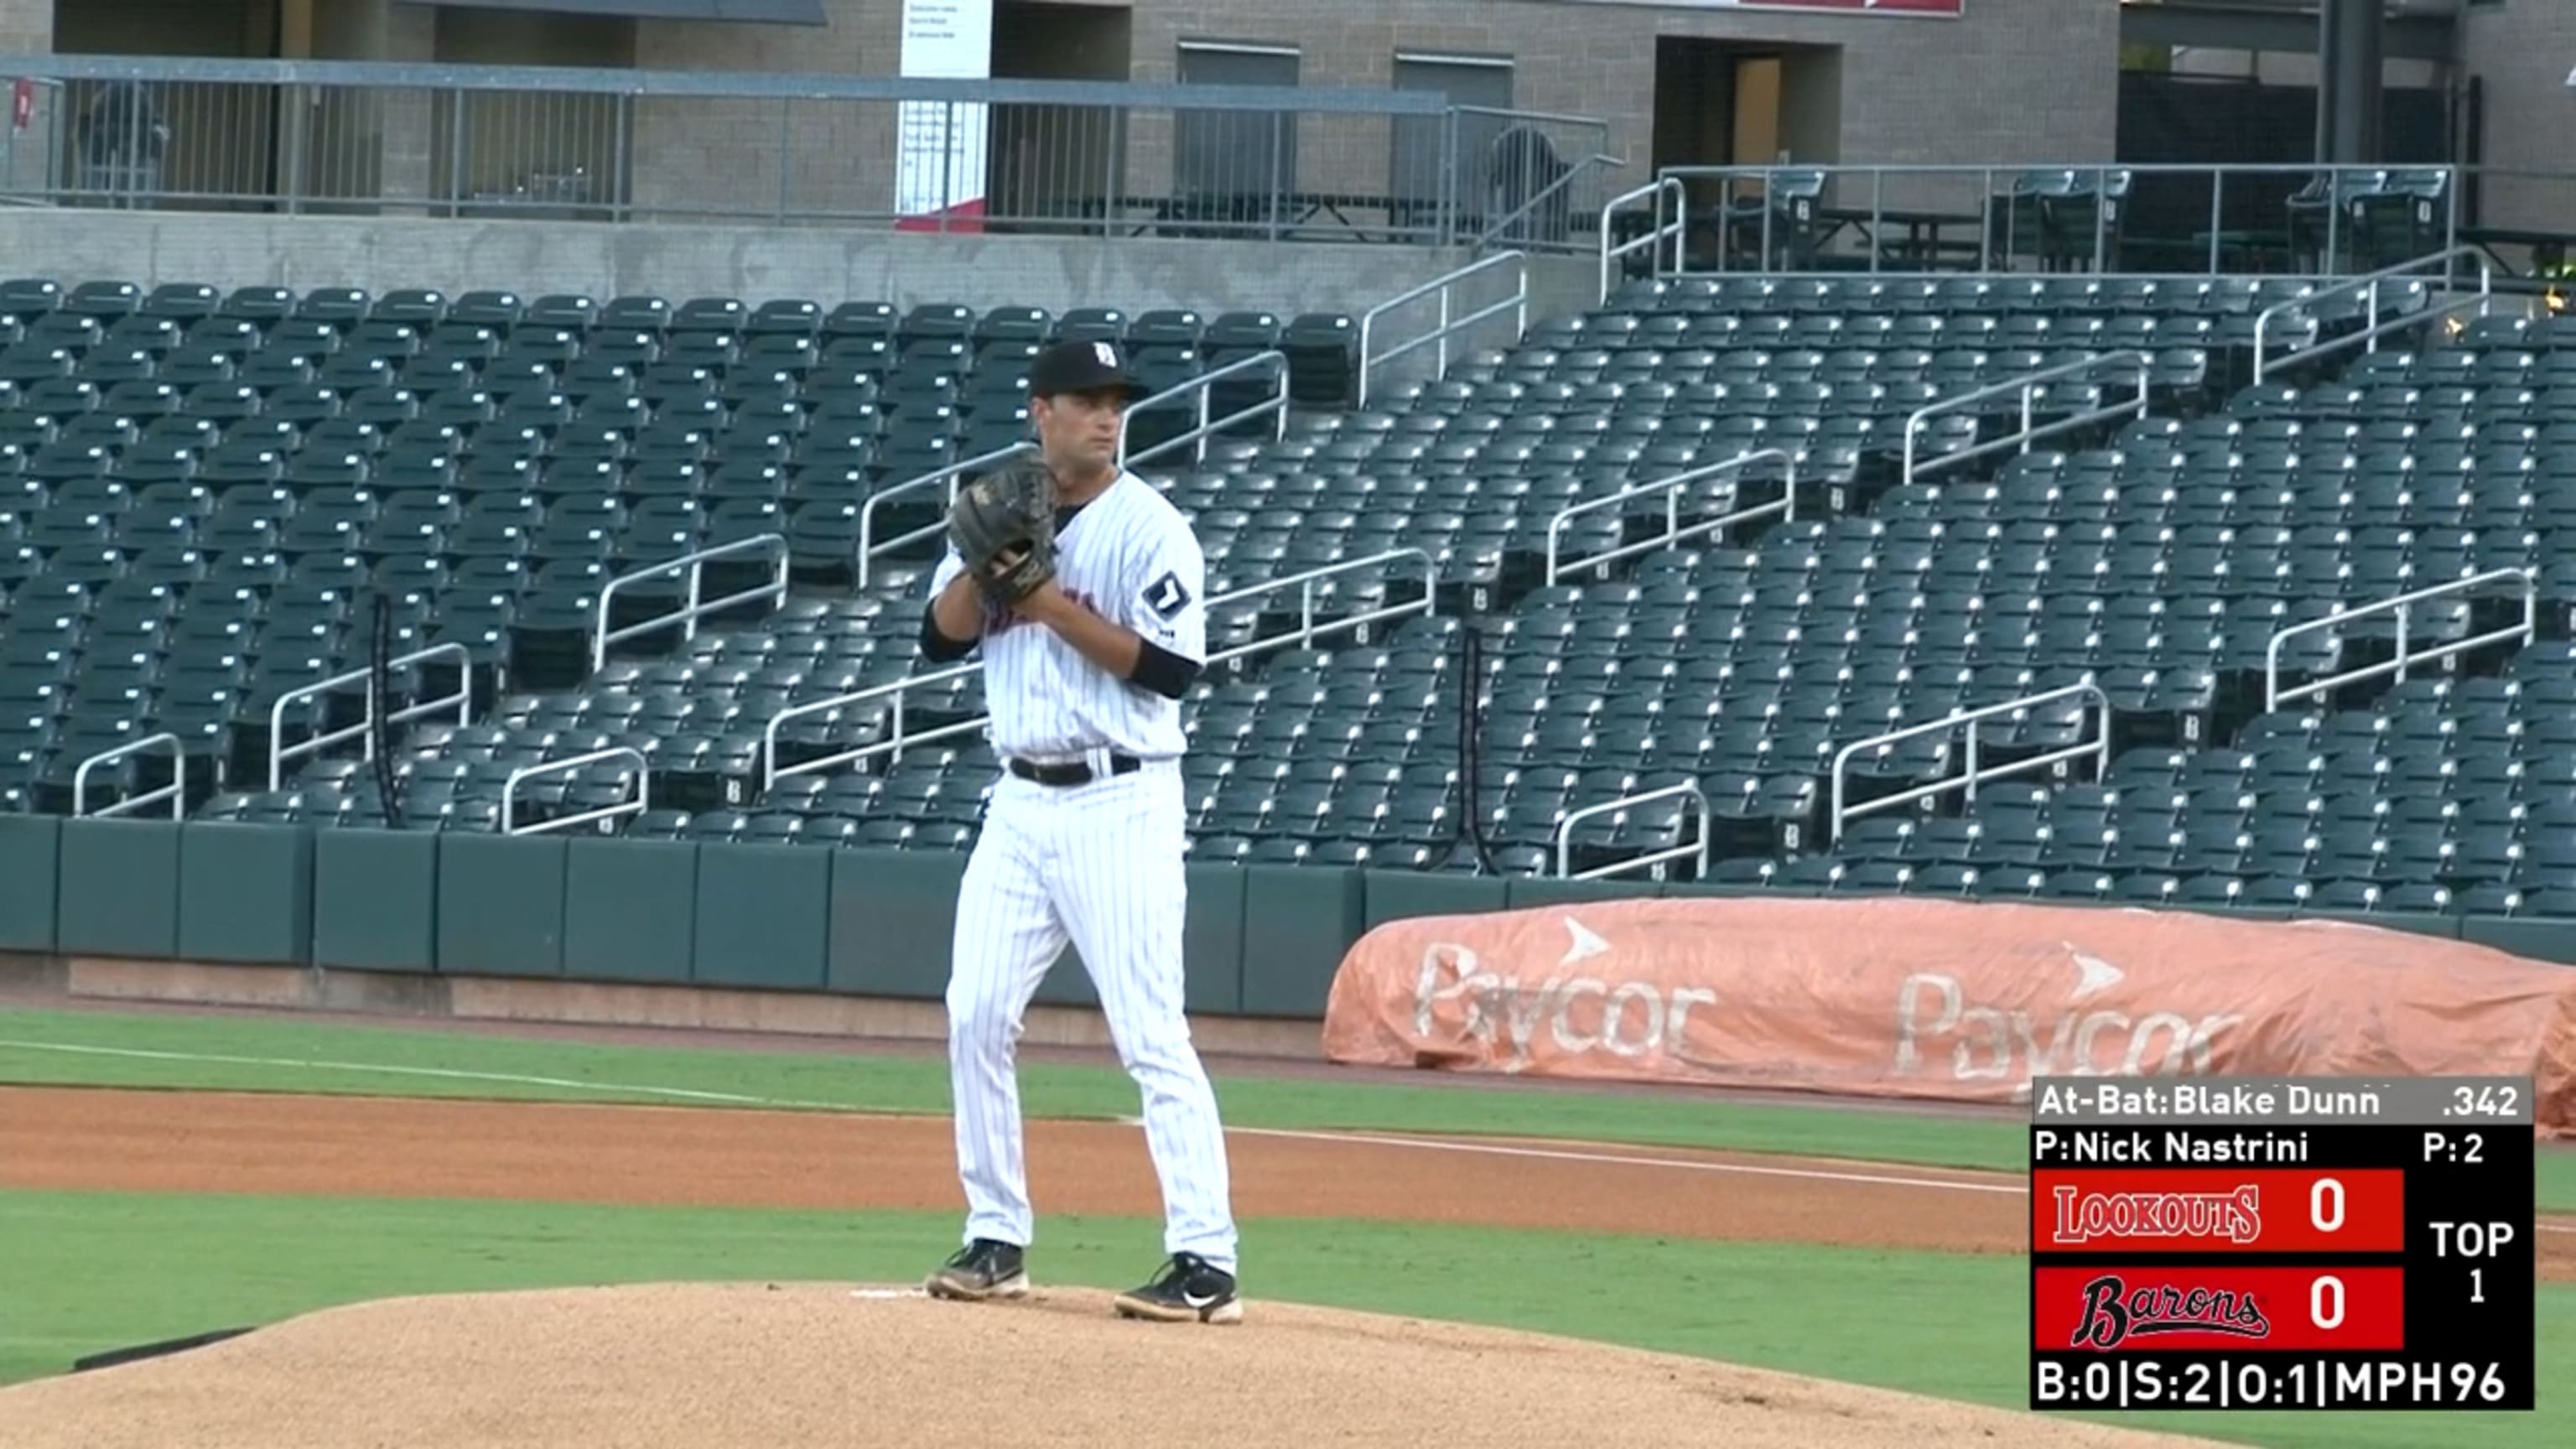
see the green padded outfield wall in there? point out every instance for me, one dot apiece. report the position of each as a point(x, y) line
point(375, 899)
point(245, 893)
point(30, 880)
point(1261, 940)
point(501, 904)
point(891, 917)
point(764, 916)
point(630, 909)
point(119, 889)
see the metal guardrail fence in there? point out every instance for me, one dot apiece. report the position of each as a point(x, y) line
point(2140, 220)
point(462, 701)
point(175, 794)
point(2027, 387)
point(898, 736)
point(1784, 507)
point(567, 143)
point(697, 605)
point(1442, 291)
point(2369, 288)
point(2402, 605)
point(1694, 850)
point(642, 801)
point(1202, 390)
point(2099, 747)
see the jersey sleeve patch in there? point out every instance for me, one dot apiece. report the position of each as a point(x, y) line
point(1167, 596)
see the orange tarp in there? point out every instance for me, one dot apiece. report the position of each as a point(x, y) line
point(1940, 999)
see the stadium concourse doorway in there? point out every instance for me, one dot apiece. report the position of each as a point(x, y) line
point(1043, 161)
point(1743, 103)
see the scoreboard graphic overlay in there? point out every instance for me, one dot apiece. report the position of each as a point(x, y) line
point(2281, 1243)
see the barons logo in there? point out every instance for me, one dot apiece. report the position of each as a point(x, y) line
point(2236, 1216)
point(2114, 1313)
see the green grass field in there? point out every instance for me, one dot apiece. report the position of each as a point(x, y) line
point(86, 1271)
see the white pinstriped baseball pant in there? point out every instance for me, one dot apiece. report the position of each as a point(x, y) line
point(1099, 865)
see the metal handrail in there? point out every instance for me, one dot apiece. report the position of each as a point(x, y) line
point(1677, 228)
point(1441, 285)
point(1697, 849)
point(2028, 386)
point(1574, 173)
point(1307, 629)
point(1786, 506)
point(1276, 405)
point(1841, 181)
point(176, 792)
point(2274, 696)
point(637, 806)
point(869, 548)
point(895, 690)
point(898, 740)
point(688, 614)
point(2100, 749)
point(462, 701)
point(2368, 286)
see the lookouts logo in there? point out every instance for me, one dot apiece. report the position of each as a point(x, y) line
point(2114, 1313)
point(2235, 1215)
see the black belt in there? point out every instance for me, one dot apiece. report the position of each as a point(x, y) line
point(1072, 772)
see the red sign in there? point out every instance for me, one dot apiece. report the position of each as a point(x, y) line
point(2311, 1210)
point(2107, 1310)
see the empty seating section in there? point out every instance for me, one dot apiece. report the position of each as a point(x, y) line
point(205, 495)
point(487, 464)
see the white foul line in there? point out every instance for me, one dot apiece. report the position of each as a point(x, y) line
point(1426, 1144)
point(1496, 1149)
point(445, 1073)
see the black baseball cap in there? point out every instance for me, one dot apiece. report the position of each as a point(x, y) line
point(1082, 367)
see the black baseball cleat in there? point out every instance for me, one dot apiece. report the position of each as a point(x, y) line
point(1188, 1287)
point(983, 1269)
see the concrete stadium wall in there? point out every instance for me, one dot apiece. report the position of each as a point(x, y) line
point(228, 250)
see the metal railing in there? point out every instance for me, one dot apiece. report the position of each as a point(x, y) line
point(896, 739)
point(176, 792)
point(1275, 407)
point(1672, 223)
point(898, 736)
point(2159, 219)
point(1546, 221)
point(869, 545)
point(510, 791)
point(2368, 288)
point(1086, 158)
point(1785, 507)
point(2027, 387)
point(462, 701)
point(698, 606)
point(1695, 850)
point(2099, 748)
point(1307, 629)
point(1442, 288)
point(2402, 605)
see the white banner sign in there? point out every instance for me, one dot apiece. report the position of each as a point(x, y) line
point(939, 147)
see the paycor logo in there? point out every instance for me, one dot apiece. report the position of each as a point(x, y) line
point(1560, 1015)
point(1936, 1018)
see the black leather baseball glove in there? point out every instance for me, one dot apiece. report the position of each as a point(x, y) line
point(1003, 527)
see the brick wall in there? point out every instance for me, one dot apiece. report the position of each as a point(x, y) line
point(1910, 92)
point(26, 27)
point(725, 160)
point(2522, 52)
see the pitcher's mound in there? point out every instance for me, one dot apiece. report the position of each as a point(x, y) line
point(711, 1366)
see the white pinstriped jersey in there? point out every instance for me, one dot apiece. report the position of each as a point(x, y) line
point(1130, 557)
